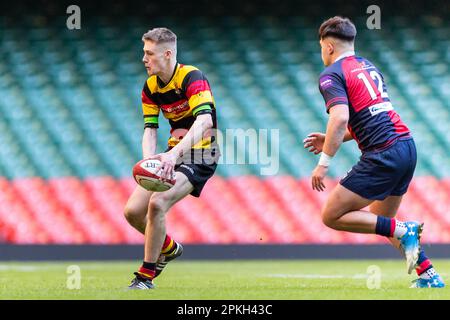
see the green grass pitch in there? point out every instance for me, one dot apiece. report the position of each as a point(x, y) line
point(232, 279)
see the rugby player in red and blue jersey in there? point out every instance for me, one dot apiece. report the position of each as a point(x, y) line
point(359, 107)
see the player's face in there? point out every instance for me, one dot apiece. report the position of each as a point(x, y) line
point(327, 50)
point(155, 58)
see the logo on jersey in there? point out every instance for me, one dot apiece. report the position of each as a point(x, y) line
point(326, 82)
point(362, 66)
point(380, 107)
point(176, 109)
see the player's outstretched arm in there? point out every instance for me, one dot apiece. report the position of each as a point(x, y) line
point(315, 140)
point(149, 140)
point(201, 125)
point(336, 131)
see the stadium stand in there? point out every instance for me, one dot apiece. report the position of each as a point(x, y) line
point(71, 125)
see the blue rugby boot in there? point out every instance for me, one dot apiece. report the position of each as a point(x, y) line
point(433, 282)
point(410, 244)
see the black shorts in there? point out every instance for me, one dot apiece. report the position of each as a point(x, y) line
point(198, 166)
point(197, 174)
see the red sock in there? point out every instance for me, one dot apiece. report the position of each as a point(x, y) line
point(146, 273)
point(424, 266)
point(423, 263)
point(168, 246)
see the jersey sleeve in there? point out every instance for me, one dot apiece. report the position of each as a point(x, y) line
point(198, 93)
point(150, 109)
point(333, 91)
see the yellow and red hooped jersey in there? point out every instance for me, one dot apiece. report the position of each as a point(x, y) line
point(187, 95)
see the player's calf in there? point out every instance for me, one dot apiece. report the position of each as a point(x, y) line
point(135, 210)
point(135, 219)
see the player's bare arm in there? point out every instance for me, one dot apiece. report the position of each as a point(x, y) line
point(315, 140)
point(336, 131)
point(149, 140)
point(201, 125)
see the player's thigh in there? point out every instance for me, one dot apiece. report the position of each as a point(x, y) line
point(137, 204)
point(342, 201)
point(165, 200)
point(387, 207)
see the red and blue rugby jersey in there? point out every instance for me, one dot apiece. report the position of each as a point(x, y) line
point(356, 82)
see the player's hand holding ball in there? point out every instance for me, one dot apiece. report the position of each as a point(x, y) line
point(168, 161)
point(156, 173)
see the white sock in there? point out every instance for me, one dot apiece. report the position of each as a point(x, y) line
point(428, 274)
point(400, 229)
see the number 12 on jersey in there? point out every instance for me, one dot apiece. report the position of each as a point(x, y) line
point(376, 78)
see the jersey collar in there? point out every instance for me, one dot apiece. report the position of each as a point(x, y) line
point(345, 55)
point(161, 84)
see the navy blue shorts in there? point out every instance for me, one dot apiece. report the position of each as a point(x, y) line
point(380, 174)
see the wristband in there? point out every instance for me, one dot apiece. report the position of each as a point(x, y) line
point(325, 160)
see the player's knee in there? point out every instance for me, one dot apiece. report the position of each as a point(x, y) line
point(132, 214)
point(329, 220)
point(158, 207)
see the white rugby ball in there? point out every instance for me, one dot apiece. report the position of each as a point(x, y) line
point(146, 174)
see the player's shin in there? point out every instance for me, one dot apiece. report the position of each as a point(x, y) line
point(154, 237)
point(169, 245)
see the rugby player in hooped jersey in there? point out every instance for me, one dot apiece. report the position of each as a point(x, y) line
point(182, 93)
point(359, 109)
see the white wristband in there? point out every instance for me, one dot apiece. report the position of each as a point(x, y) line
point(325, 160)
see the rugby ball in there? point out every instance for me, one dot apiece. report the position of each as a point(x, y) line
point(146, 174)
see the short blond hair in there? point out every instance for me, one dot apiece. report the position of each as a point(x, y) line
point(160, 35)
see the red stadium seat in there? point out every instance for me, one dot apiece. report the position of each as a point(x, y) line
point(111, 198)
point(201, 219)
point(252, 192)
point(127, 185)
point(303, 213)
point(233, 216)
point(244, 209)
point(47, 212)
point(17, 221)
point(75, 197)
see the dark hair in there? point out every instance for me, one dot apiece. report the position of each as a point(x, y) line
point(338, 27)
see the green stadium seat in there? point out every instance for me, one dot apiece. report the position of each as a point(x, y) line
point(84, 105)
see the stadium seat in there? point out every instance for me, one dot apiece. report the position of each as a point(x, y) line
point(71, 129)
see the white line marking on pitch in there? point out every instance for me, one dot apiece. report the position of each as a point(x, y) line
point(317, 276)
point(19, 268)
